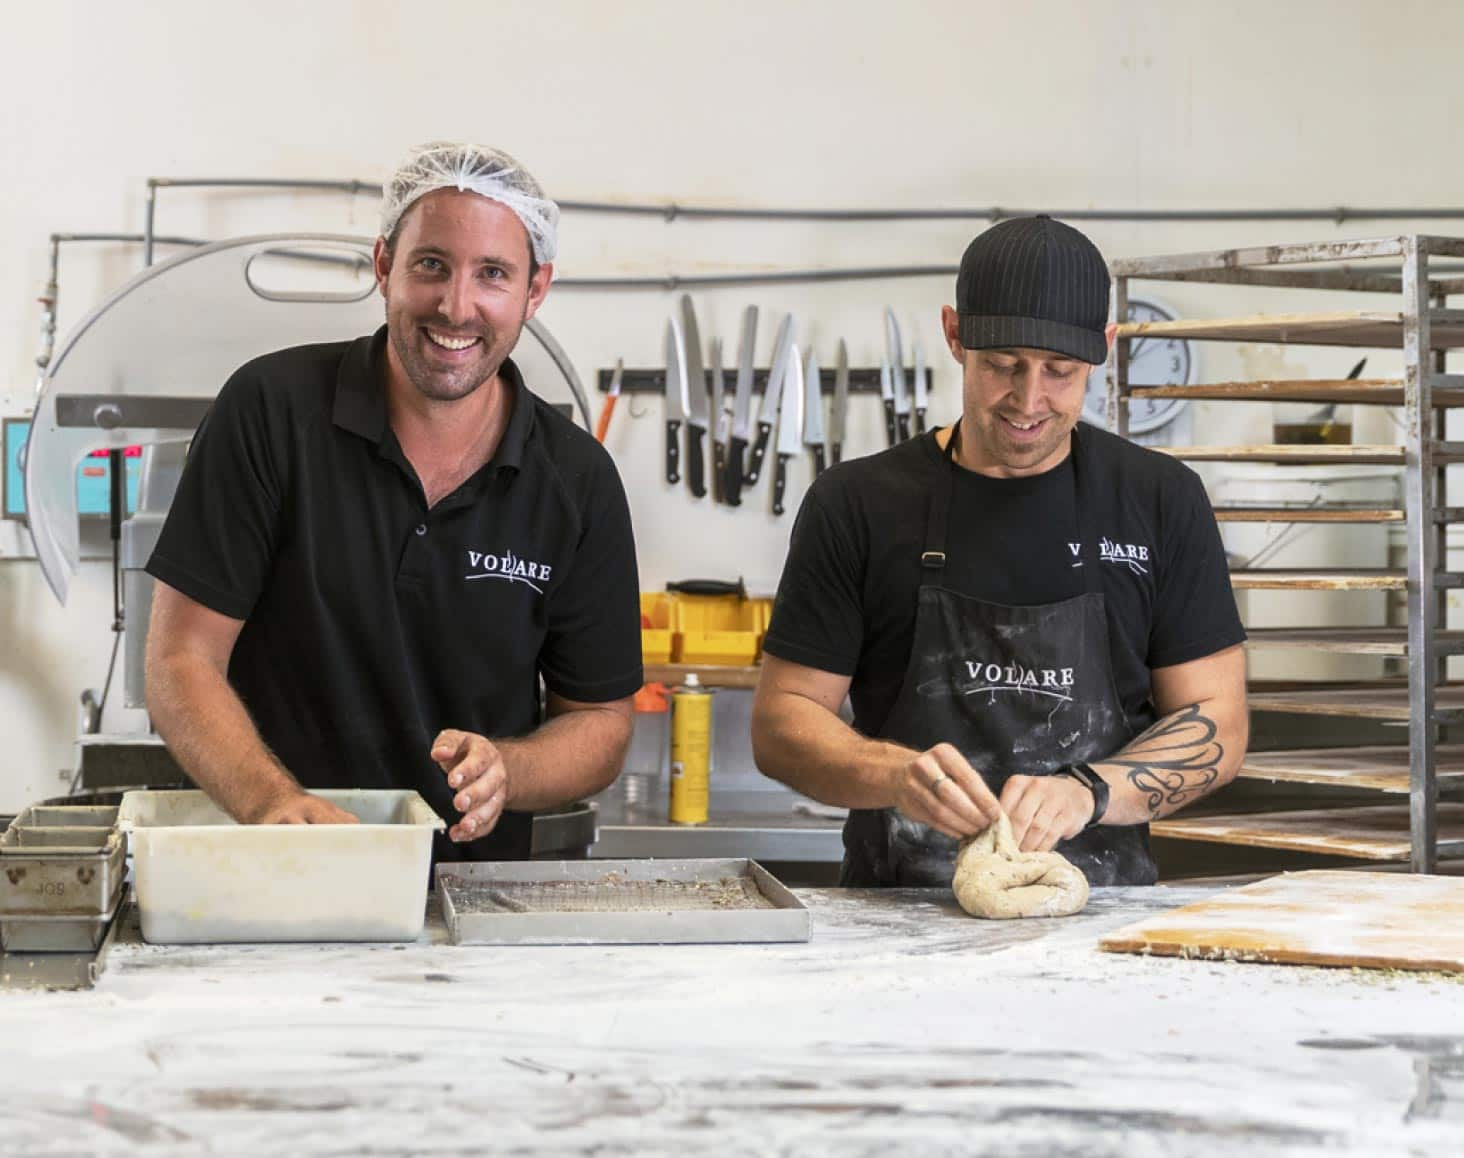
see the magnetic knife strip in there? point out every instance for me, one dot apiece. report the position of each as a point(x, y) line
point(862, 380)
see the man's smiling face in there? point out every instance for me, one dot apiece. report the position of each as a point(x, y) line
point(1020, 405)
point(458, 291)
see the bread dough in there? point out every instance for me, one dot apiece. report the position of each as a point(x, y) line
point(996, 879)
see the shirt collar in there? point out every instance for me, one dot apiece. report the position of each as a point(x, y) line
point(360, 400)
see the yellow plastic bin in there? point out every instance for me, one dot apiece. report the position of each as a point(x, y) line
point(657, 642)
point(715, 629)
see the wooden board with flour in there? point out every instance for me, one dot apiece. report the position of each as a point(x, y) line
point(1324, 917)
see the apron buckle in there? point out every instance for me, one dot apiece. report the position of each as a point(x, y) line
point(932, 558)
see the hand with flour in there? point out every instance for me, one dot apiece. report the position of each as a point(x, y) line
point(1044, 810)
point(996, 879)
point(940, 788)
point(476, 772)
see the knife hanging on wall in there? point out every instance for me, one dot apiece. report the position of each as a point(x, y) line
point(719, 425)
point(922, 388)
point(741, 407)
point(897, 373)
point(839, 414)
point(813, 418)
point(767, 413)
point(790, 431)
point(675, 399)
point(696, 400)
point(887, 397)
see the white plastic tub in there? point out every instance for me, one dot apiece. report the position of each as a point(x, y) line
point(201, 878)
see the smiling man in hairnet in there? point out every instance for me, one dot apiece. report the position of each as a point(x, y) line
point(379, 547)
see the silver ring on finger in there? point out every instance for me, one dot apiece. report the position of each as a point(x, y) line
point(937, 782)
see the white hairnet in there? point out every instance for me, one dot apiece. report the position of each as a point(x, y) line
point(490, 173)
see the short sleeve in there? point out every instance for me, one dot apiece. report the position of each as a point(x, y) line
point(818, 616)
point(592, 646)
point(1194, 608)
point(219, 538)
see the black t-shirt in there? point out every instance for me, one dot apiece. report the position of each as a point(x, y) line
point(847, 600)
point(372, 623)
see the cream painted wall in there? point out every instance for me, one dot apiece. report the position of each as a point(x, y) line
point(1060, 103)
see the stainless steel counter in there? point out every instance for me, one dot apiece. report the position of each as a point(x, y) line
point(901, 1026)
point(762, 825)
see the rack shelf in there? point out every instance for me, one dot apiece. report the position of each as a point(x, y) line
point(1378, 329)
point(1309, 514)
point(1390, 703)
point(1321, 391)
point(1381, 767)
point(1356, 640)
point(1380, 832)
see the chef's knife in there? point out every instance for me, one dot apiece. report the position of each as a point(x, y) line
point(887, 396)
point(813, 419)
point(741, 406)
point(675, 399)
point(922, 391)
point(767, 413)
point(696, 400)
point(897, 373)
point(719, 424)
point(841, 404)
point(789, 426)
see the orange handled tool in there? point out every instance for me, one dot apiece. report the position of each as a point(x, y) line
point(602, 425)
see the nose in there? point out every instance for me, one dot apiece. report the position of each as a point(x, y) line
point(456, 305)
point(1027, 388)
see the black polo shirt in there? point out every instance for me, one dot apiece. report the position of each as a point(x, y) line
point(372, 623)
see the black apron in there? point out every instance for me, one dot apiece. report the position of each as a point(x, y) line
point(1018, 691)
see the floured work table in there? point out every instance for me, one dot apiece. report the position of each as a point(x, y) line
point(901, 1025)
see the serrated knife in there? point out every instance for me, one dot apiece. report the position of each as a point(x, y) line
point(741, 407)
point(767, 413)
point(790, 426)
point(696, 400)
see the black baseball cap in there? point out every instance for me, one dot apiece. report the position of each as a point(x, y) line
point(1033, 281)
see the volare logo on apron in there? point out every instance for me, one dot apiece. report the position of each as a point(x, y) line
point(1019, 691)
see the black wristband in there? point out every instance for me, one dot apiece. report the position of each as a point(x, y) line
point(1094, 783)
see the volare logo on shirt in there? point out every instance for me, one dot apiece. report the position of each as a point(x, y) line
point(508, 566)
point(1134, 556)
point(1056, 682)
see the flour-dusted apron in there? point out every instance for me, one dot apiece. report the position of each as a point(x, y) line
point(1018, 691)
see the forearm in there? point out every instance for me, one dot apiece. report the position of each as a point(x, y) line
point(804, 745)
point(208, 730)
point(1183, 757)
point(571, 756)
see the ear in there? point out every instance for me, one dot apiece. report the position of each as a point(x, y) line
point(381, 264)
point(1108, 332)
point(539, 289)
point(950, 323)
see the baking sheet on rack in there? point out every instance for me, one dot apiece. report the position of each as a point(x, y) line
point(617, 902)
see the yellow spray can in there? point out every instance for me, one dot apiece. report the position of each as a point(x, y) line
point(691, 752)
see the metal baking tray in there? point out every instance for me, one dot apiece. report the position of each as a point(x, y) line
point(63, 866)
point(51, 933)
point(200, 878)
point(627, 902)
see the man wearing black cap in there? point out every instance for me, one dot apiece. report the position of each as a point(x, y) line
point(1029, 615)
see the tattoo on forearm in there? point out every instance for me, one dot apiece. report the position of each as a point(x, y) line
point(1174, 762)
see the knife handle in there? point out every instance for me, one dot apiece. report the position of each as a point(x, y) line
point(902, 426)
point(889, 409)
point(920, 420)
point(759, 448)
point(673, 451)
point(733, 488)
point(719, 471)
point(818, 459)
point(696, 468)
point(780, 483)
point(836, 452)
